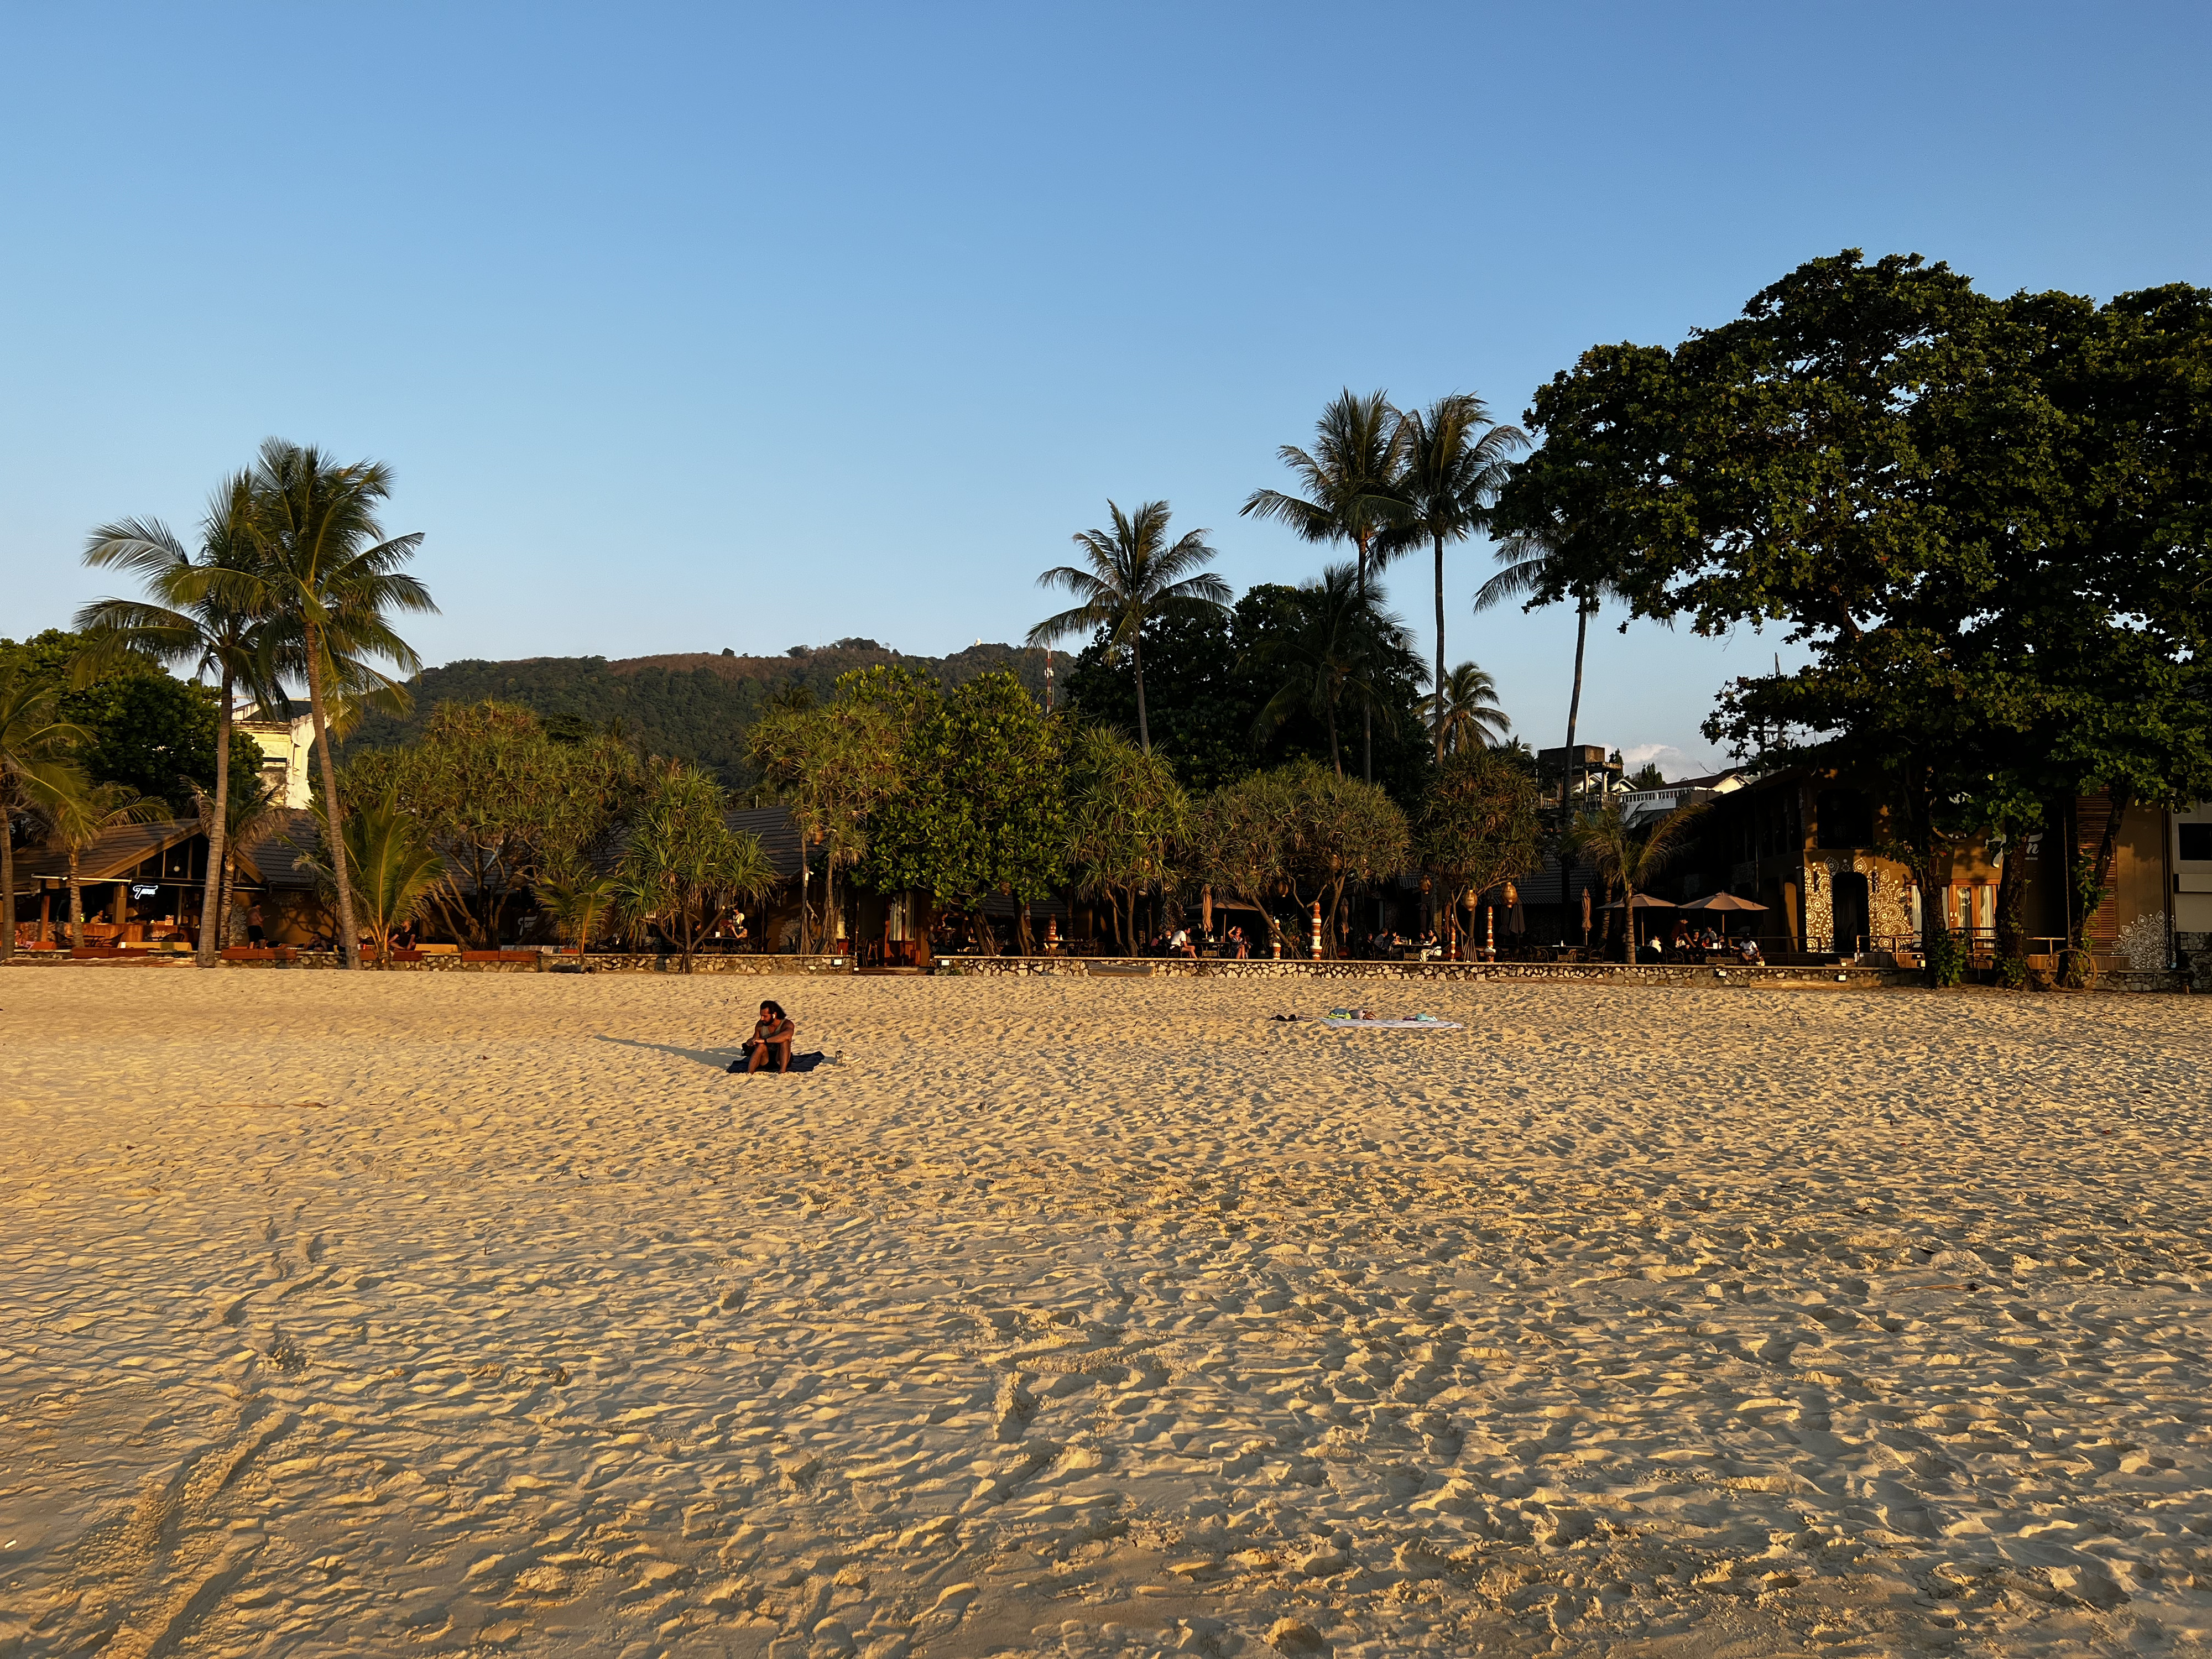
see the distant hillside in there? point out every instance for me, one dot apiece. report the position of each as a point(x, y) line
point(697, 705)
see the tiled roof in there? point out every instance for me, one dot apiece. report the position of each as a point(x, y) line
point(778, 832)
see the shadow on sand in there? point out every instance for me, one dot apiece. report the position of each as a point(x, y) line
point(720, 1059)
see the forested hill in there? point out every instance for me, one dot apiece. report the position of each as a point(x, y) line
point(697, 705)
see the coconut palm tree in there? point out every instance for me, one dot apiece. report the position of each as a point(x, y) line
point(575, 896)
point(1455, 464)
point(1465, 713)
point(213, 613)
point(81, 817)
point(1527, 564)
point(1635, 852)
point(1341, 643)
point(37, 770)
point(335, 576)
point(1131, 573)
point(1351, 479)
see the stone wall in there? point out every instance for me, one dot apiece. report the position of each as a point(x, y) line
point(1610, 972)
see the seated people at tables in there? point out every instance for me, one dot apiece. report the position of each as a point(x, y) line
point(770, 1041)
point(1748, 950)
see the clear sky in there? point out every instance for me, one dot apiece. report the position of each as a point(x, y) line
point(687, 328)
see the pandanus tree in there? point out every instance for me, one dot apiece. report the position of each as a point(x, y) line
point(1131, 574)
point(1455, 464)
point(211, 614)
point(336, 577)
point(1353, 481)
point(38, 769)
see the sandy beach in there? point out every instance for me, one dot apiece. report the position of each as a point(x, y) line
point(435, 1314)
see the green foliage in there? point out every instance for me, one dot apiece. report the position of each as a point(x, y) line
point(1343, 832)
point(685, 869)
point(1947, 959)
point(1981, 519)
point(1477, 826)
point(2012, 972)
point(1128, 822)
point(500, 800)
point(1131, 574)
point(982, 803)
point(143, 728)
point(697, 707)
point(1207, 678)
point(390, 862)
point(575, 896)
point(1241, 837)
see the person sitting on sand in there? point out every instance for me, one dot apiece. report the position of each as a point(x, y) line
point(771, 1040)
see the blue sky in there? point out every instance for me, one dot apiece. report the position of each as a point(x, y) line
point(687, 328)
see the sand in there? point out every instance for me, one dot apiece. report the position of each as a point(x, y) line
point(429, 1314)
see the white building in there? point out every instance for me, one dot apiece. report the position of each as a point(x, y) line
point(285, 747)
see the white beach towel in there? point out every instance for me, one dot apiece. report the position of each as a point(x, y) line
point(1392, 1024)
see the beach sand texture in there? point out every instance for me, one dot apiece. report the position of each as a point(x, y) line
point(1064, 1317)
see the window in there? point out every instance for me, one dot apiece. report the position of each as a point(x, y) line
point(2197, 843)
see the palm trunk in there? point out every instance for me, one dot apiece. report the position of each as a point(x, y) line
point(1143, 730)
point(1438, 688)
point(1335, 759)
point(332, 819)
point(211, 887)
point(7, 882)
point(229, 901)
point(77, 904)
point(1574, 703)
point(829, 904)
point(1366, 704)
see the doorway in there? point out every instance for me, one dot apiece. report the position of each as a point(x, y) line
point(1851, 912)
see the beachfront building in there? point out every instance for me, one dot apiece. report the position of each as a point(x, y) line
point(286, 743)
point(1818, 853)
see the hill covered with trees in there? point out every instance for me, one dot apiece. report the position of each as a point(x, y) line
point(695, 706)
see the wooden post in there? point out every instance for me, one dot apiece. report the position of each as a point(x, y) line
point(1316, 930)
point(1490, 932)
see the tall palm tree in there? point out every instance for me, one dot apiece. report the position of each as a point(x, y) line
point(1341, 643)
point(37, 770)
point(212, 613)
point(1465, 713)
point(1353, 492)
point(1455, 464)
point(1526, 562)
point(81, 816)
point(1131, 574)
point(336, 577)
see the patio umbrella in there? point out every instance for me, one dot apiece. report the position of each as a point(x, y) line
point(1726, 904)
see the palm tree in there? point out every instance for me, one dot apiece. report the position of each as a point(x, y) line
point(1632, 852)
point(1465, 714)
point(1353, 492)
point(81, 816)
point(212, 613)
point(1455, 464)
point(336, 577)
point(37, 770)
point(1340, 642)
point(1134, 573)
point(575, 896)
point(1528, 566)
point(249, 815)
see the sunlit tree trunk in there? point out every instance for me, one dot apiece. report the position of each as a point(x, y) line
point(332, 819)
point(218, 834)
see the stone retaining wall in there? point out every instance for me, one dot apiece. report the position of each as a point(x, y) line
point(1605, 973)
